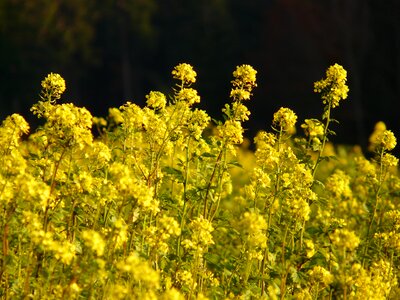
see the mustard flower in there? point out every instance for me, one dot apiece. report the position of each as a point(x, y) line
point(185, 73)
point(240, 111)
point(185, 278)
point(313, 128)
point(231, 131)
point(12, 128)
point(201, 236)
point(240, 94)
point(390, 240)
point(261, 178)
point(320, 275)
point(374, 283)
point(253, 227)
point(333, 88)
point(197, 122)
point(120, 233)
point(393, 217)
point(379, 128)
point(156, 100)
point(188, 95)
point(53, 86)
point(345, 239)
point(339, 184)
point(94, 241)
point(245, 76)
point(157, 237)
point(20, 125)
point(389, 160)
point(310, 249)
point(115, 115)
point(285, 119)
point(386, 141)
point(140, 270)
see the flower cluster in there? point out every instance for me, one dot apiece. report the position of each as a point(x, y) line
point(333, 88)
point(53, 86)
point(185, 73)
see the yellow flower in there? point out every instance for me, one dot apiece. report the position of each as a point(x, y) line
point(333, 88)
point(244, 75)
point(188, 95)
point(232, 131)
point(201, 235)
point(285, 119)
point(339, 184)
point(53, 86)
point(321, 275)
point(94, 241)
point(389, 160)
point(156, 100)
point(386, 141)
point(197, 122)
point(343, 238)
point(379, 128)
point(313, 128)
point(185, 73)
point(253, 227)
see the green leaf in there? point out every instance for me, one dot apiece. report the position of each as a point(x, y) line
point(173, 172)
point(236, 164)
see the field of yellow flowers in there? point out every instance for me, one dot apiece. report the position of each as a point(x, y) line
point(159, 202)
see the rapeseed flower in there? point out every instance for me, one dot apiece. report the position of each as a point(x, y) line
point(333, 88)
point(185, 73)
point(284, 119)
point(156, 100)
point(53, 87)
point(245, 76)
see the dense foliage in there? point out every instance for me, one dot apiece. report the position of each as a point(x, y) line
point(160, 202)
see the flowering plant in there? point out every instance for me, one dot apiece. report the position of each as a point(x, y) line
point(164, 204)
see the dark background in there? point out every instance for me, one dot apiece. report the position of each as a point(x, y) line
point(113, 51)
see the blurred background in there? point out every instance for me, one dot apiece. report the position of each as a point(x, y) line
point(112, 51)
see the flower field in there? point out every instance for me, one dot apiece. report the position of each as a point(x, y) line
point(162, 202)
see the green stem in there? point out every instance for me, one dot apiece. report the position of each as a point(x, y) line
point(209, 184)
point(324, 139)
point(377, 196)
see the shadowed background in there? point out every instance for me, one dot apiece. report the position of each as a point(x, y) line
point(113, 51)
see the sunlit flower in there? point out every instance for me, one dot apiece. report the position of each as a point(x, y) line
point(185, 73)
point(333, 88)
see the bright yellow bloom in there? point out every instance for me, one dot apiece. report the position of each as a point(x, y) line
point(53, 86)
point(232, 131)
point(156, 100)
point(389, 160)
point(285, 119)
point(386, 140)
point(321, 275)
point(185, 73)
point(201, 236)
point(333, 88)
point(244, 75)
point(313, 128)
point(188, 95)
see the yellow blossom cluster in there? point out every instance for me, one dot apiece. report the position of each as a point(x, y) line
point(284, 119)
point(201, 236)
point(333, 88)
point(185, 73)
point(53, 86)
